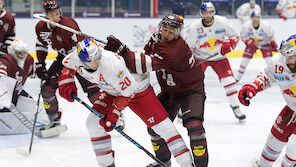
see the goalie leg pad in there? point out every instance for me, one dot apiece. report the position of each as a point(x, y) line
point(271, 151)
point(198, 142)
point(174, 142)
point(101, 141)
point(55, 131)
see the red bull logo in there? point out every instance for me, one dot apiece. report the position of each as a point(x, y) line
point(211, 44)
point(291, 91)
point(292, 42)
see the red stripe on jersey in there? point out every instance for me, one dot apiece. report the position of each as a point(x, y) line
point(231, 93)
point(173, 138)
point(271, 160)
point(229, 85)
point(290, 159)
point(100, 138)
point(181, 152)
point(103, 153)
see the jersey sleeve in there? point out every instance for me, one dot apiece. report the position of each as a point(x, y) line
point(190, 37)
point(121, 79)
point(230, 32)
point(3, 68)
point(239, 12)
point(244, 33)
point(269, 32)
point(72, 61)
point(41, 45)
point(11, 33)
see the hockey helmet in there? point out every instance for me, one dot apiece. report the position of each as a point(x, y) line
point(288, 46)
point(88, 50)
point(207, 6)
point(252, 1)
point(174, 21)
point(18, 46)
point(255, 13)
point(51, 5)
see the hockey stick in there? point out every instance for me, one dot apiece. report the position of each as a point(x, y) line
point(120, 131)
point(42, 17)
point(28, 152)
point(206, 59)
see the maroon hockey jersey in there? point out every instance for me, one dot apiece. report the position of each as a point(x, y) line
point(59, 39)
point(7, 29)
point(176, 68)
point(9, 67)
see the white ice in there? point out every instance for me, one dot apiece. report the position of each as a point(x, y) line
point(230, 143)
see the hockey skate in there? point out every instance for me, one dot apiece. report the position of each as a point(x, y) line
point(238, 113)
point(156, 164)
point(54, 128)
point(112, 165)
point(255, 163)
point(121, 122)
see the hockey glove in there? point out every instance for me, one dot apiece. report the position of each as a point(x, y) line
point(41, 71)
point(67, 84)
point(155, 38)
point(246, 93)
point(110, 119)
point(283, 17)
point(251, 44)
point(115, 45)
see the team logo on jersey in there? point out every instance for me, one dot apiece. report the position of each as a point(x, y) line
point(1, 22)
point(199, 150)
point(120, 74)
point(291, 91)
point(150, 120)
point(59, 38)
point(211, 44)
point(45, 36)
point(281, 77)
point(219, 31)
point(200, 36)
point(46, 105)
point(155, 146)
point(5, 27)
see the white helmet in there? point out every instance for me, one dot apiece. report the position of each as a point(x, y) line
point(255, 13)
point(18, 46)
point(207, 6)
point(252, 1)
point(288, 46)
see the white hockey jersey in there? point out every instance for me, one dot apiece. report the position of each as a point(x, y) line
point(244, 12)
point(207, 41)
point(287, 8)
point(280, 73)
point(112, 75)
point(261, 36)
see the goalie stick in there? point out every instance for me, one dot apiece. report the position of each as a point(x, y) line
point(42, 17)
point(120, 131)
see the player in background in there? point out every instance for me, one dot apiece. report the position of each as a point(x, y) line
point(120, 89)
point(7, 28)
point(256, 35)
point(15, 68)
point(210, 39)
point(63, 42)
point(286, 9)
point(245, 10)
point(283, 131)
point(181, 81)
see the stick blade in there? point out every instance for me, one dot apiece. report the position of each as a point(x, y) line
point(22, 152)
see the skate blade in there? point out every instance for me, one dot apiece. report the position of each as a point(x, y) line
point(55, 131)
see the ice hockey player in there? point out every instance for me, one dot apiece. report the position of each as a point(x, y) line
point(181, 81)
point(286, 9)
point(283, 131)
point(245, 10)
point(7, 28)
point(15, 68)
point(63, 42)
point(210, 39)
point(256, 35)
point(120, 89)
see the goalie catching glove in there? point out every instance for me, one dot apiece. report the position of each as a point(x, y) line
point(113, 113)
point(67, 84)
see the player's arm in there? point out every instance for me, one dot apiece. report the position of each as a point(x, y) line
point(270, 35)
point(239, 12)
point(232, 40)
point(263, 81)
point(279, 8)
point(137, 62)
point(41, 52)
point(10, 36)
point(190, 37)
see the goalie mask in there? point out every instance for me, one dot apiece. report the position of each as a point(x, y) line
point(19, 50)
point(288, 46)
point(172, 20)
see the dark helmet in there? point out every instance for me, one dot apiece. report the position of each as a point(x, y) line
point(51, 5)
point(174, 21)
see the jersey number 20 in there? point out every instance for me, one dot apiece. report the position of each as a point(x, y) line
point(125, 83)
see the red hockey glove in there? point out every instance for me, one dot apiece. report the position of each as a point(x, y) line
point(283, 17)
point(41, 71)
point(115, 45)
point(67, 84)
point(246, 93)
point(226, 48)
point(110, 119)
point(251, 44)
point(274, 46)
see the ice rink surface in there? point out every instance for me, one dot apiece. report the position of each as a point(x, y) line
point(230, 143)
